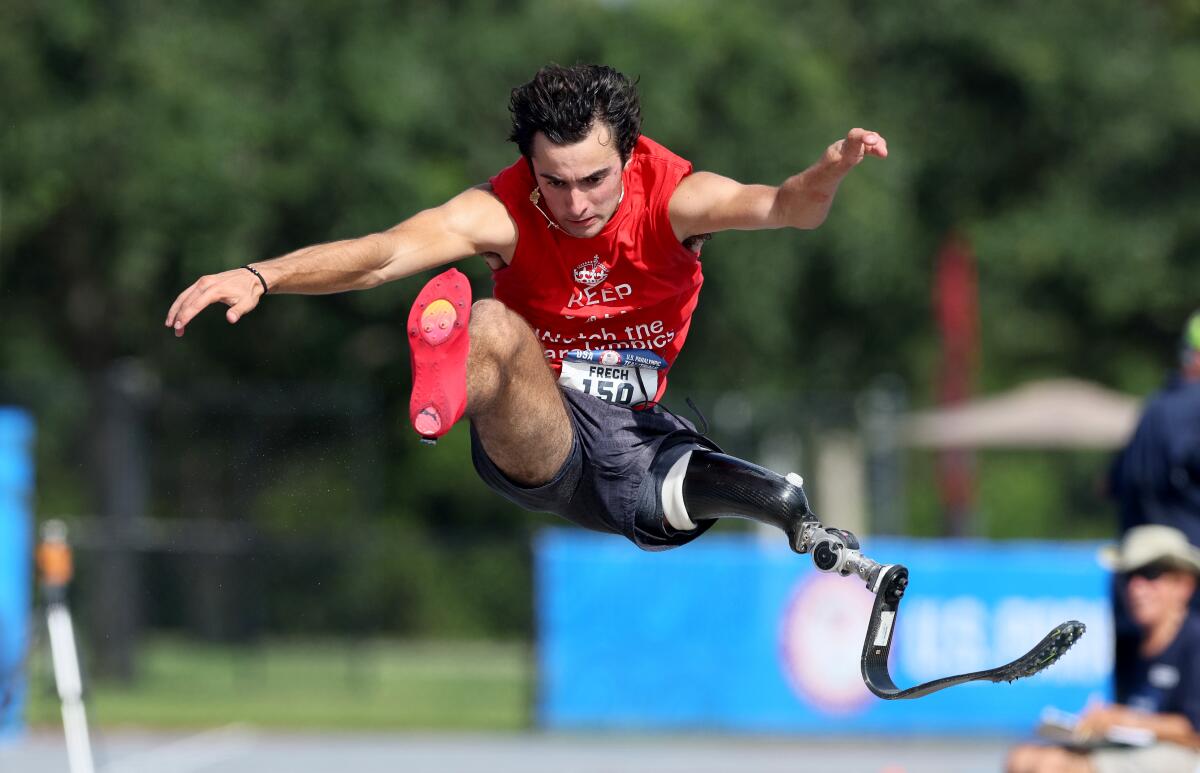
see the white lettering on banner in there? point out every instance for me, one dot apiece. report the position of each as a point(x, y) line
point(961, 634)
point(590, 296)
point(1021, 621)
point(946, 636)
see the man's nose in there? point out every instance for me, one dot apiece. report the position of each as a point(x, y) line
point(576, 202)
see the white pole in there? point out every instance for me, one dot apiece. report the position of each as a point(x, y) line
point(70, 687)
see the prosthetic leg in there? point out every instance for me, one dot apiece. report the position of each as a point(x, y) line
point(705, 485)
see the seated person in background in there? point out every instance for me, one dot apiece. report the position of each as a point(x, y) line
point(1161, 568)
point(1156, 479)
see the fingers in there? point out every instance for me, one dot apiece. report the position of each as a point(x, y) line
point(197, 299)
point(860, 143)
point(231, 288)
point(240, 308)
point(174, 310)
point(875, 145)
point(186, 306)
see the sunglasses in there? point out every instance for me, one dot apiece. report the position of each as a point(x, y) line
point(1151, 572)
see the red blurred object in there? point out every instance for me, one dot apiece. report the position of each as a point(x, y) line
point(956, 304)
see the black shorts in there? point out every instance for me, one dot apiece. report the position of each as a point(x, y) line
point(606, 483)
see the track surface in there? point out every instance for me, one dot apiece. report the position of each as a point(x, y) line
point(246, 750)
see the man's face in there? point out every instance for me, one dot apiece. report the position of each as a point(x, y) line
point(1157, 593)
point(580, 183)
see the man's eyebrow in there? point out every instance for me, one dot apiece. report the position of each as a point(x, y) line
point(596, 174)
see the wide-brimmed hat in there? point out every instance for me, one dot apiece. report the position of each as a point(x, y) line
point(1152, 544)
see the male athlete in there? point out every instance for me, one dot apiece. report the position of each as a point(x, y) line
point(594, 237)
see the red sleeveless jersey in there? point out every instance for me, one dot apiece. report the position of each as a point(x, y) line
point(632, 286)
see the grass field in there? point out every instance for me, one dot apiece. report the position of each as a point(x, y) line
point(372, 685)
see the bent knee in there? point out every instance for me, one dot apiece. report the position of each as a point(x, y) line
point(496, 329)
point(489, 311)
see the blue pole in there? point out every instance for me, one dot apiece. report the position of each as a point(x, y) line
point(16, 573)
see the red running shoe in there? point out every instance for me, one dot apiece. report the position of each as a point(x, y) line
point(437, 334)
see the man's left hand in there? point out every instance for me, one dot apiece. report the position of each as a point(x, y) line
point(859, 144)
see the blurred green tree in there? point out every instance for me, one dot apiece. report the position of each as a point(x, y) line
point(144, 144)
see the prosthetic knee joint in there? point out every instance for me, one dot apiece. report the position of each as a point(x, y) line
point(705, 485)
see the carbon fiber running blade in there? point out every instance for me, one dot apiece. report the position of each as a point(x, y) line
point(890, 589)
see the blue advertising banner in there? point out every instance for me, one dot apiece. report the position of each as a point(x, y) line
point(735, 633)
point(16, 573)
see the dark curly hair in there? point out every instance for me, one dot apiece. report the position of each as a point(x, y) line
point(563, 103)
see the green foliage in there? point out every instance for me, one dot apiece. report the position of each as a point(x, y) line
point(145, 144)
point(1022, 494)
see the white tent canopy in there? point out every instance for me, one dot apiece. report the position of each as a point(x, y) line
point(1056, 413)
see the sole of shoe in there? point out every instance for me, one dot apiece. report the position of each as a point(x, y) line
point(437, 333)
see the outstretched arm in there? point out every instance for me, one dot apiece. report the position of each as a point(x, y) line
point(471, 223)
point(705, 202)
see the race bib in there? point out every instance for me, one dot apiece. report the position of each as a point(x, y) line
point(626, 377)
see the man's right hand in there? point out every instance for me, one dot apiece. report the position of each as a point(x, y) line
point(237, 288)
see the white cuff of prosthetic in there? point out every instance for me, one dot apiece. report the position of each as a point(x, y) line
point(672, 495)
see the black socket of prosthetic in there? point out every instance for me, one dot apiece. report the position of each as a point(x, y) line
point(721, 486)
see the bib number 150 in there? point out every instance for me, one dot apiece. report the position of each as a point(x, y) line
point(617, 392)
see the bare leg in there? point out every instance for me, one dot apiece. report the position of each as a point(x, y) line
point(512, 397)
